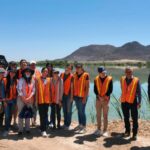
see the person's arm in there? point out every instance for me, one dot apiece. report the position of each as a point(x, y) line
point(110, 89)
point(71, 89)
point(87, 85)
point(95, 89)
point(149, 87)
point(19, 87)
point(32, 93)
point(61, 90)
point(138, 93)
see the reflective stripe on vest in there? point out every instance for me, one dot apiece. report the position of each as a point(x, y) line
point(54, 90)
point(43, 91)
point(66, 83)
point(27, 88)
point(79, 84)
point(13, 92)
point(128, 91)
point(102, 87)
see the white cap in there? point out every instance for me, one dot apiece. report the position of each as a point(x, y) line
point(32, 62)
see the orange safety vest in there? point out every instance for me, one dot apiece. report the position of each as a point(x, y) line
point(79, 84)
point(43, 91)
point(27, 89)
point(37, 74)
point(66, 83)
point(12, 92)
point(128, 91)
point(5, 82)
point(54, 91)
point(102, 87)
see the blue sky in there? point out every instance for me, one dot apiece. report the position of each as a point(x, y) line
point(50, 29)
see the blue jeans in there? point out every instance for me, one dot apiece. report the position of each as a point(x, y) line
point(8, 113)
point(67, 110)
point(81, 110)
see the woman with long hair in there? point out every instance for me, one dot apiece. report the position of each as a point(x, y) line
point(26, 91)
point(11, 96)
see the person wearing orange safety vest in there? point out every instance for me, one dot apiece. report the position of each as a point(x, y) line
point(67, 99)
point(56, 98)
point(80, 94)
point(103, 87)
point(26, 91)
point(11, 98)
point(36, 75)
point(130, 101)
point(2, 94)
point(43, 98)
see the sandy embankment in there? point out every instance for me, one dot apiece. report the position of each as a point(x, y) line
point(68, 140)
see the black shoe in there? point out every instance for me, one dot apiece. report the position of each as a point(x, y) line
point(28, 132)
point(54, 128)
point(134, 138)
point(59, 127)
point(126, 134)
point(20, 133)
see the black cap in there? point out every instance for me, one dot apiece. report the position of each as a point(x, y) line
point(101, 69)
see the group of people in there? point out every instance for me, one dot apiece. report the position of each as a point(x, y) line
point(26, 90)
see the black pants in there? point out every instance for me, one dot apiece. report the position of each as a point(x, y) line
point(43, 111)
point(133, 110)
point(1, 119)
point(56, 110)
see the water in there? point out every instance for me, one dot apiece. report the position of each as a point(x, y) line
point(114, 105)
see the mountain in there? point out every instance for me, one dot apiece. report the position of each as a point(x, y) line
point(132, 51)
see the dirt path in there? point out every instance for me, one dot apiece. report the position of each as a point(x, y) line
point(68, 140)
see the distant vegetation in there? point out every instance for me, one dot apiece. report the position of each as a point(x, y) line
point(62, 63)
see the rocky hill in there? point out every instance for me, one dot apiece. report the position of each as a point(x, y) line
point(131, 51)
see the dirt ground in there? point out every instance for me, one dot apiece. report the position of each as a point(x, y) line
point(69, 140)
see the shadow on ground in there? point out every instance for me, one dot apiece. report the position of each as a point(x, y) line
point(89, 138)
point(140, 148)
point(115, 139)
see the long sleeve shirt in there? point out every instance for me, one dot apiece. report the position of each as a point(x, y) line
point(58, 88)
point(110, 87)
point(2, 89)
point(20, 87)
point(149, 87)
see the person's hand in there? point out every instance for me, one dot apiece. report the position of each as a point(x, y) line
point(138, 105)
point(106, 98)
point(71, 99)
point(5, 104)
point(84, 100)
point(23, 98)
point(60, 103)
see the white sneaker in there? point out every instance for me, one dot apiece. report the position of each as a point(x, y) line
point(78, 127)
point(105, 134)
point(97, 132)
point(44, 134)
point(5, 134)
point(82, 131)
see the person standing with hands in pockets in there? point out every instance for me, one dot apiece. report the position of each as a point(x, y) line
point(80, 93)
point(67, 100)
point(56, 98)
point(103, 87)
point(130, 101)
